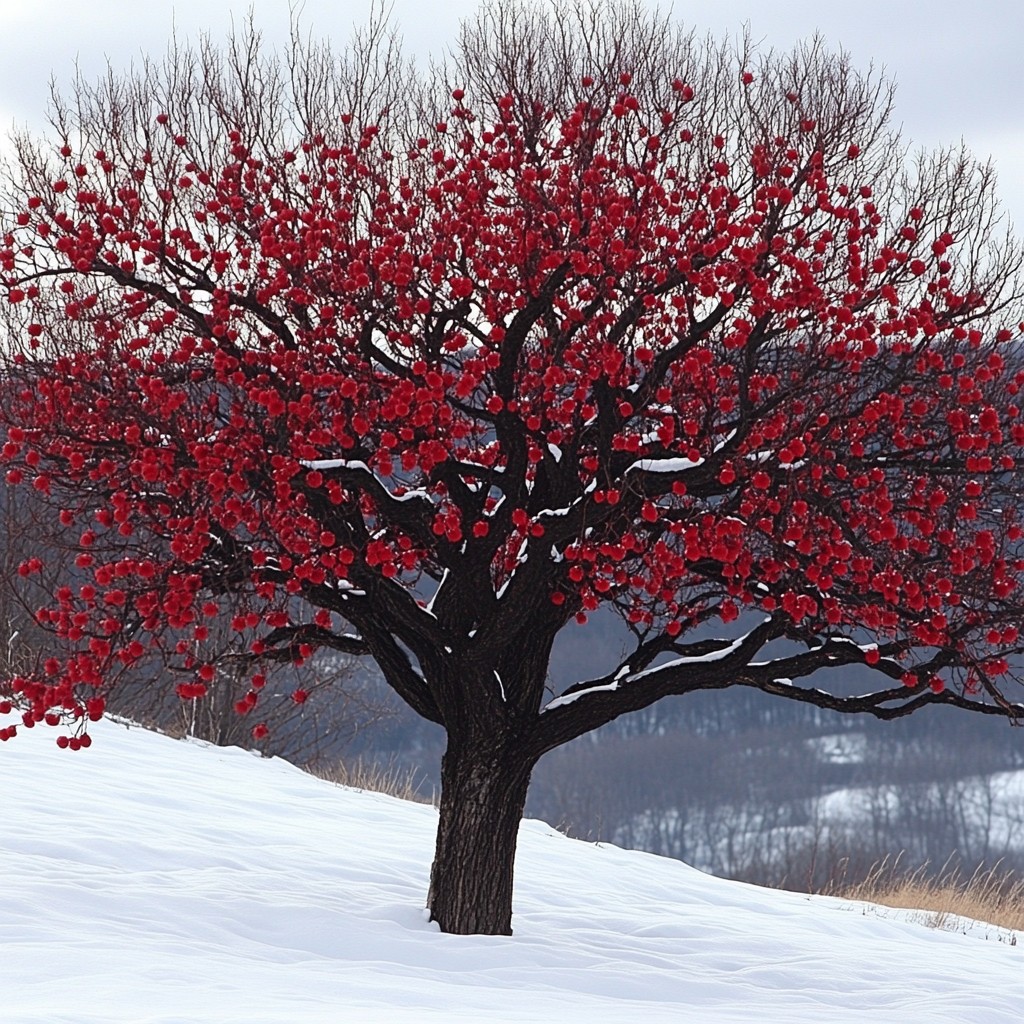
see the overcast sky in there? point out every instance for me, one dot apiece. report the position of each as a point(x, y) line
point(957, 63)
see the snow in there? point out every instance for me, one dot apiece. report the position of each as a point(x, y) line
point(570, 698)
point(328, 464)
point(624, 674)
point(470, 464)
point(345, 589)
point(556, 512)
point(832, 639)
point(725, 440)
point(986, 805)
point(840, 748)
point(676, 465)
point(153, 881)
point(521, 558)
point(429, 606)
point(323, 464)
point(696, 659)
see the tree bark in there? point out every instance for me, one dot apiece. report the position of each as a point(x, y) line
point(483, 794)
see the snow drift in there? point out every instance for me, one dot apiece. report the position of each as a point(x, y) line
point(152, 881)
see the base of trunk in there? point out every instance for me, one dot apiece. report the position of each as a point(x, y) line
point(483, 794)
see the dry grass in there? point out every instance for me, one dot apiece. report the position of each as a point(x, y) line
point(948, 899)
point(372, 777)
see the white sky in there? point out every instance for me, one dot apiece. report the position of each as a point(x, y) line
point(957, 63)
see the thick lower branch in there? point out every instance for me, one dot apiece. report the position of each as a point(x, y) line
point(895, 702)
point(717, 664)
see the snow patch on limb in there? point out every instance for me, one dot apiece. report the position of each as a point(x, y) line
point(521, 558)
point(849, 640)
point(320, 465)
point(557, 512)
point(415, 492)
point(345, 588)
point(624, 676)
point(872, 659)
point(694, 659)
point(570, 698)
point(351, 639)
point(870, 651)
point(429, 606)
point(485, 470)
point(676, 465)
point(567, 509)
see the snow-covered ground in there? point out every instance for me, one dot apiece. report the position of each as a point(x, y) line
point(158, 882)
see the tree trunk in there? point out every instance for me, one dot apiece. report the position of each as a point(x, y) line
point(483, 793)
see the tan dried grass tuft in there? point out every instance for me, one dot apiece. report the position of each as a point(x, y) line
point(390, 779)
point(948, 899)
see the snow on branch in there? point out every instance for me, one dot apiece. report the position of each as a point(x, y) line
point(625, 677)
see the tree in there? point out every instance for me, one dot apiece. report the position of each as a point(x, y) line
point(429, 369)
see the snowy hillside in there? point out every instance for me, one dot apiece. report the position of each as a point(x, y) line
point(151, 881)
